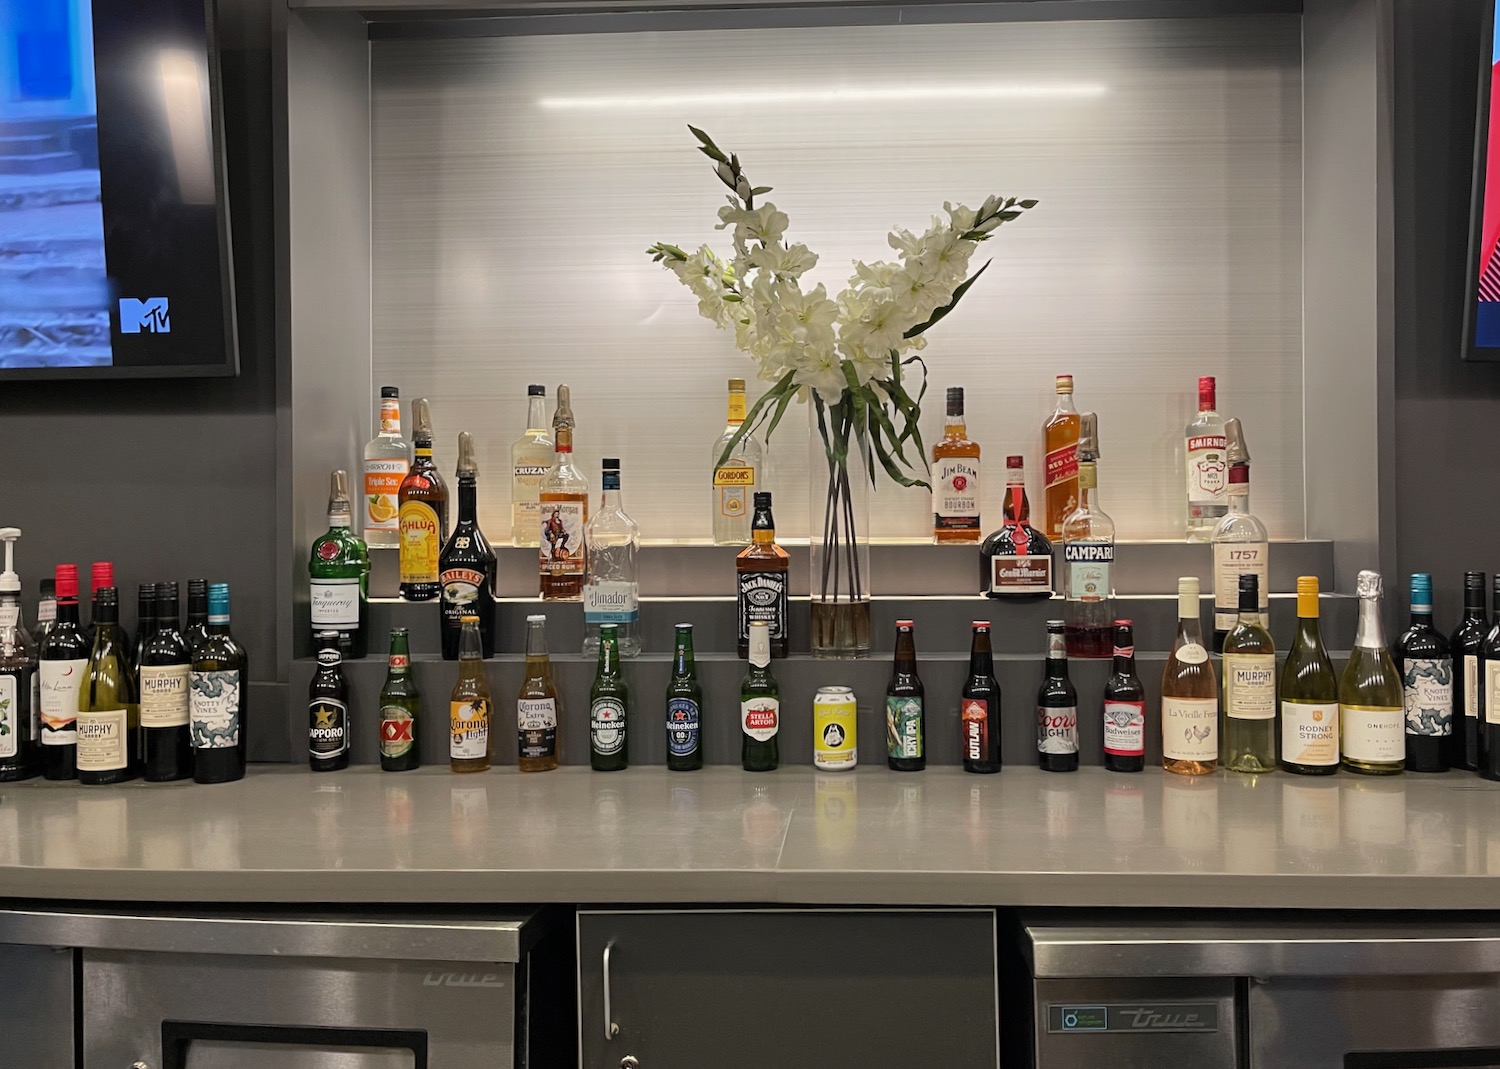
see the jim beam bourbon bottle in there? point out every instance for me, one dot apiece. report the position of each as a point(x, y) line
point(1016, 560)
point(955, 478)
point(1060, 471)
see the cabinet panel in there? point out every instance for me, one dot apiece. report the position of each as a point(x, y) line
point(805, 987)
point(36, 1013)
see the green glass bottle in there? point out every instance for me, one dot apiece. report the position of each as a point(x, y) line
point(339, 574)
point(217, 688)
point(1248, 734)
point(109, 718)
point(400, 709)
point(609, 706)
point(1309, 694)
point(166, 739)
point(1372, 703)
point(684, 707)
point(760, 706)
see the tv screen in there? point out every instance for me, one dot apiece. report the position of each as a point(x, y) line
point(114, 244)
point(1482, 326)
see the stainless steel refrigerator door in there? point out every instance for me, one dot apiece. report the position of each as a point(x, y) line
point(1136, 1024)
point(745, 989)
point(36, 1011)
point(316, 1013)
point(1367, 1022)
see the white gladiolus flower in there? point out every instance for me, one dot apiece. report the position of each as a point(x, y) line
point(784, 261)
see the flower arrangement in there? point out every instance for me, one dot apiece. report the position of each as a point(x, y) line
point(849, 355)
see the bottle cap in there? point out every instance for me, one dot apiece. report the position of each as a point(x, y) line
point(108, 597)
point(564, 412)
point(955, 400)
point(1236, 450)
point(1421, 592)
point(1055, 627)
point(736, 385)
point(762, 499)
point(66, 580)
point(1088, 437)
point(1207, 391)
point(197, 586)
point(1307, 585)
point(10, 582)
point(1124, 623)
point(689, 627)
point(469, 618)
point(1249, 592)
point(1369, 585)
point(47, 588)
point(167, 591)
point(1065, 384)
point(531, 619)
point(1473, 580)
point(1187, 586)
point(338, 492)
point(1015, 463)
point(102, 574)
point(467, 465)
point(611, 463)
point(536, 391)
point(218, 603)
point(902, 623)
point(421, 419)
point(389, 391)
point(982, 623)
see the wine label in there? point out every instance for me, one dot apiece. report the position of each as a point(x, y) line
point(1372, 733)
point(1491, 692)
point(1125, 728)
point(60, 681)
point(398, 732)
point(955, 494)
point(732, 484)
point(1427, 692)
point(382, 493)
point(1207, 472)
point(1190, 727)
point(562, 525)
point(327, 727)
point(46, 611)
point(1191, 653)
point(335, 604)
point(421, 542)
point(903, 727)
point(1089, 566)
point(10, 615)
point(762, 597)
point(611, 602)
point(468, 729)
point(607, 726)
point(975, 719)
point(1310, 733)
point(682, 726)
point(760, 718)
point(1232, 560)
point(102, 738)
point(36, 708)
point(1057, 729)
point(536, 724)
point(1472, 684)
point(164, 696)
point(1250, 686)
point(214, 709)
point(1027, 575)
point(10, 716)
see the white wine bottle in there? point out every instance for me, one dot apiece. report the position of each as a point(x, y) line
point(1249, 728)
point(108, 715)
point(1309, 694)
point(1189, 694)
point(1372, 712)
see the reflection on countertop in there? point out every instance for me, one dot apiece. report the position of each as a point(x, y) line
point(940, 837)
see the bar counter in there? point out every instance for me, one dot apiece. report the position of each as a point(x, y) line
point(794, 836)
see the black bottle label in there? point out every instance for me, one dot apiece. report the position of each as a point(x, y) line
point(328, 734)
point(762, 596)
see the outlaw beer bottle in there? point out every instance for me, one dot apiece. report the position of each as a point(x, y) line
point(62, 660)
point(1124, 707)
point(609, 706)
point(538, 706)
point(980, 705)
point(166, 738)
point(338, 572)
point(328, 708)
point(469, 705)
point(761, 571)
point(400, 709)
point(108, 717)
point(423, 514)
point(760, 706)
point(905, 723)
point(217, 688)
point(684, 707)
point(467, 564)
point(1057, 707)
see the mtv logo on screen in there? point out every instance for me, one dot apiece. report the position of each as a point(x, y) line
point(150, 314)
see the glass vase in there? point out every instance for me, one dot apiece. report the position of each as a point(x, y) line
point(839, 459)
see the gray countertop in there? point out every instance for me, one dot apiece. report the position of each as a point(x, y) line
point(941, 837)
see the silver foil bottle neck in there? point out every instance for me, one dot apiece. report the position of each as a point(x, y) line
point(1236, 451)
point(1369, 585)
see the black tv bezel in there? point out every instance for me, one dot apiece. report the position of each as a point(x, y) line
point(1471, 351)
point(229, 365)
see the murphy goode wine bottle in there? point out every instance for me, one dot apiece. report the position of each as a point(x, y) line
point(467, 564)
point(108, 716)
point(166, 738)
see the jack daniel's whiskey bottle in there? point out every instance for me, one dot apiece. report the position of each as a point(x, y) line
point(761, 574)
point(1016, 561)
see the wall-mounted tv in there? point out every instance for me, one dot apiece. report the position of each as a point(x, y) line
point(1482, 315)
point(114, 239)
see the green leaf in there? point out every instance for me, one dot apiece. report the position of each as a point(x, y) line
point(758, 190)
point(708, 148)
point(753, 415)
point(1028, 204)
point(781, 406)
point(958, 295)
point(883, 421)
point(890, 467)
